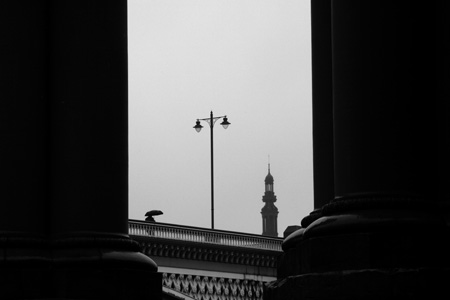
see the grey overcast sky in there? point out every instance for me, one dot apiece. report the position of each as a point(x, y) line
point(247, 59)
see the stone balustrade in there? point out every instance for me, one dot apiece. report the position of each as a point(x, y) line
point(203, 235)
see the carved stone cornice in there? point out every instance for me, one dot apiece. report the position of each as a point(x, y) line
point(155, 247)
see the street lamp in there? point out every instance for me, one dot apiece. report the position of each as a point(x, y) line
point(211, 120)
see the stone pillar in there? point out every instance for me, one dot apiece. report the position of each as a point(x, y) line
point(89, 130)
point(322, 88)
point(383, 141)
point(322, 108)
point(385, 233)
point(23, 150)
point(385, 119)
point(442, 65)
point(64, 221)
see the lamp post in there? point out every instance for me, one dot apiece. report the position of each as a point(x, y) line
point(211, 120)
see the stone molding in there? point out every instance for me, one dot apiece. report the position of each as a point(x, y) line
point(375, 201)
point(208, 252)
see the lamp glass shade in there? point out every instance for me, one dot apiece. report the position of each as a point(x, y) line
point(197, 126)
point(225, 123)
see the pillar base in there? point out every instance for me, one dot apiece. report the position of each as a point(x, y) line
point(103, 266)
point(81, 266)
point(392, 244)
point(376, 231)
point(24, 266)
point(427, 283)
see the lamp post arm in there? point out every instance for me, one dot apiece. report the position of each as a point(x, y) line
point(212, 120)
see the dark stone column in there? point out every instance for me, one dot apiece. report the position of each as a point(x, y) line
point(63, 222)
point(23, 119)
point(322, 104)
point(322, 88)
point(383, 128)
point(386, 138)
point(94, 256)
point(387, 226)
point(442, 64)
point(89, 130)
point(23, 149)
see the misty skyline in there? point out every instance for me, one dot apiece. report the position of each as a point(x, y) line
point(249, 60)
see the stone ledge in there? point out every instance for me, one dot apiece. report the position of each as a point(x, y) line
point(363, 284)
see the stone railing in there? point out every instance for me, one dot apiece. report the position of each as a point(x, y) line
point(203, 235)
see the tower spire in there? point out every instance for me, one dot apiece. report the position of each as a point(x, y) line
point(269, 212)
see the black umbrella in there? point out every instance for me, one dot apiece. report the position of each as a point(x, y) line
point(152, 213)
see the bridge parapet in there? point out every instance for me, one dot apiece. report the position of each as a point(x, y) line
point(236, 264)
point(203, 235)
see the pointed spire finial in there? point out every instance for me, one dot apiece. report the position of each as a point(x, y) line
point(269, 162)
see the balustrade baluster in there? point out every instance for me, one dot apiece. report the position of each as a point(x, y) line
point(204, 236)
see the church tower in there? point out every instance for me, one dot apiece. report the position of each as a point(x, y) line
point(269, 212)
